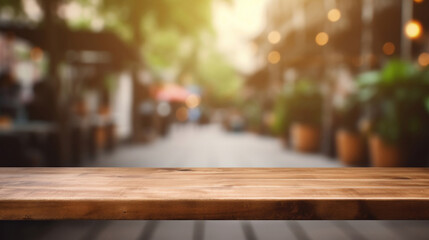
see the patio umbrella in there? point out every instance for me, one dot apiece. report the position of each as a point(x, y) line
point(172, 93)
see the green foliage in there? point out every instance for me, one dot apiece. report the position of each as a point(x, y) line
point(219, 78)
point(171, 33)
point(395, 100)
point(187, 16)
point(280, 115)
point(350, 113)
point(15, 5)
point(162, 49)
point(304, 103)
point(300, 102)
point(168, 34)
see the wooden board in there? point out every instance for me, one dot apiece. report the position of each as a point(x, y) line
point(214, 193)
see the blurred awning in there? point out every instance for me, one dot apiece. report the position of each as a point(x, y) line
point(172, 93)
point(117, 52)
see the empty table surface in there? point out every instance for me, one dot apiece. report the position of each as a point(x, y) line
point(214, 193)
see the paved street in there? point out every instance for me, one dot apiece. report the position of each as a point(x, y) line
point(209, 146)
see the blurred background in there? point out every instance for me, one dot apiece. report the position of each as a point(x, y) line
point(346, 80)
point(215, 83)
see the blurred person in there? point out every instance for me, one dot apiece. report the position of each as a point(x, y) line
point(9, 95)
point(194, 114)
point(42, 106)
point(147, 110)
point(163, 111)
point(236, 121)
point(22, 146)
point(7, 56)
point(205, 117)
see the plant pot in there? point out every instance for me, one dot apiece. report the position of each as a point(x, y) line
point(384, 154)
point(80, 108)
point(104, 111)
point(305, 138)
point(350, 147)
point(5, 122)
point(100, 137)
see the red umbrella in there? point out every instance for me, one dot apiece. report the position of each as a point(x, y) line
point(172, 93)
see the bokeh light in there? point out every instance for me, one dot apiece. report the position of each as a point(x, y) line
point(274, 37)
point(192, 101)
point(322, 38)
point(163, 109)
point(274, 57)
point(424, 59)
point(389, 48)
point(334, 15)
point(36, 54)
point(413, 29)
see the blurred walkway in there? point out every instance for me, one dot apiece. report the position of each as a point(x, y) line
point(224, 230)
point(210, 146)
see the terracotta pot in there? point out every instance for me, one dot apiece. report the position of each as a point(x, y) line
point(80, 108)
point(5, 122)
point(350, 147)
point(384, 154)
point(104, 111)
point(100, 137)
point(305, 138)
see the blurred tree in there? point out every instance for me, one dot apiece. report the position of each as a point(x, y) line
point(219, 78)
point(167, 32)
point(13, 4)
point(187, 16)
point(158, 23)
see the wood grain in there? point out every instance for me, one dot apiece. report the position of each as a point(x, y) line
point(214, 193)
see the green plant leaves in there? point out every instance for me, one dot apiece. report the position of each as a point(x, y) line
point(396, 99)
point(427, 104)
point(368, 79)
point(304, 102)
point(397, 70)
point(349, 113)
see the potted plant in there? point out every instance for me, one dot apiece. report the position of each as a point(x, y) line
point(280, 124)
point(304, 114)
point(349, 141)
point(396, 104)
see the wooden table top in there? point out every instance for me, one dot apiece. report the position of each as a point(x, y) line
point(214, 193)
